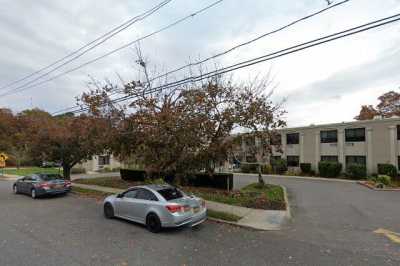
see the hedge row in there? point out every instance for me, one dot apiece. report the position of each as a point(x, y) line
point(278, 166)
point(329, 169)
point(133, 175)
point(217, 180)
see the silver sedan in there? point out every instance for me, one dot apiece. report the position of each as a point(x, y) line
point(156, 206)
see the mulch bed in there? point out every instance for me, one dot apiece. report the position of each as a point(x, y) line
point(371, 185)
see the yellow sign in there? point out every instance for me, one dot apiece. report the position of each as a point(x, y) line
point(393, 236)
point(3, 158)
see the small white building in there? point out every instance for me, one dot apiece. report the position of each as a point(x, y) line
point(100, 162)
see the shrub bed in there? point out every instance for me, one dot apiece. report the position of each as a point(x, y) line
point(133, 175)
point(329, 169)
point(356, 171)
point(279, 166)
point(305, 168)
point(249, 168)
point(387, 169)
point(217, 180)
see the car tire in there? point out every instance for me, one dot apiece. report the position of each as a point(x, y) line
point(153, 223)
point(15, 189)
point(33, 194)
point(108, 211)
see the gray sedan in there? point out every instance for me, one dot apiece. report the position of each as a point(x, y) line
point(37, 185)
point(156, 206)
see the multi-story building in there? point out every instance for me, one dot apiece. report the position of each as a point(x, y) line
point(368, 142)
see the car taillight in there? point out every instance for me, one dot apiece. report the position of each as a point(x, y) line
point(203, 203)
point(44, 185)
point(175, 208)
point(67, 183)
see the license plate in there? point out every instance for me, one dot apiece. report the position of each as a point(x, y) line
point(196, 209)
point(58, 186)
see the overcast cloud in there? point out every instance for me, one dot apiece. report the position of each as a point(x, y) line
point(323, 84)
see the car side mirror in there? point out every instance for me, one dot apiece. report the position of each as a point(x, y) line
point(120, 195)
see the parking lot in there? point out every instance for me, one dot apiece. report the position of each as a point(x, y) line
point(72, 231)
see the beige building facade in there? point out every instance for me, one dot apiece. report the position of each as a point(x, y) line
point(99, 162)
point(369, 142)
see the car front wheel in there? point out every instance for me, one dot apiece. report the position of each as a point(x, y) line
point(108, 211)
point(153, 223)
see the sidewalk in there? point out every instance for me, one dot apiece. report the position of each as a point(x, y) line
point(9, 177)
point(251, 218)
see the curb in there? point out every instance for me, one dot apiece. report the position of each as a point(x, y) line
point(288, 210)
point(238, 225)
point(365, 184)
point(4, 178)
point(304, 178)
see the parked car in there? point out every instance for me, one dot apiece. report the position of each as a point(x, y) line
point(37, 185)
point(46, 164)
point(156, 206)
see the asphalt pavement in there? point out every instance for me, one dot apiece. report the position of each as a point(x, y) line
point(70, 230)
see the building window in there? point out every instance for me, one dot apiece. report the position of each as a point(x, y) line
point(292, 138)
point(292, 161)
point(356, 160)
point(355, 134)
point(276, 139)
point(104, 160)
point(329, 158)
point(398, 132)
point(329, 136)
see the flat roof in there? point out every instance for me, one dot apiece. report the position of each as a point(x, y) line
point(355, 122)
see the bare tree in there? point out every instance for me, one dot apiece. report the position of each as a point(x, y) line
point(187, 127)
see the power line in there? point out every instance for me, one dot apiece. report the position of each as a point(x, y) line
point(243, 44)
point(23, 87)
point(274, 55)
point(102, 39)
point(250, 41)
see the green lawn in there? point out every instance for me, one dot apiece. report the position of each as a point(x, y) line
point(223, 216)
point(269, 197)
point(90, 192)
point(23, 171)
point(114, 182)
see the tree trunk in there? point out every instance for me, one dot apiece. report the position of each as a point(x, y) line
point(260, 179)
point(67, 171)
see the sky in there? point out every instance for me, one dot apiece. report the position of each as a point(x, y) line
point(324, 84)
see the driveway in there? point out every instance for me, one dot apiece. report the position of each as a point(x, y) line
point(340, 214)
point(72, 231)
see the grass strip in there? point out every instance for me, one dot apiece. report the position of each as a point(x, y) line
point(90, 192)
point(223, 216)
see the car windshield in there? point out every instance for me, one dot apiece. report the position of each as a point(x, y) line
point(50, 177)
point(170, 193)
